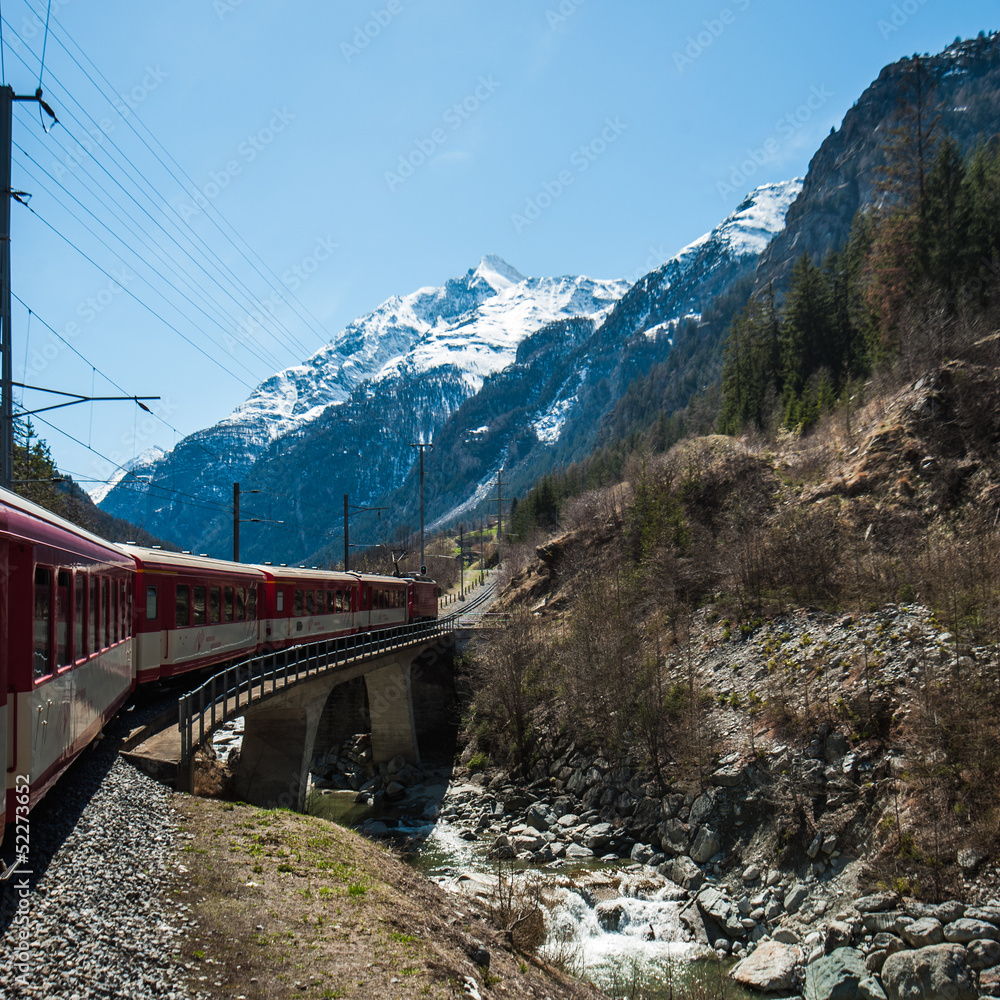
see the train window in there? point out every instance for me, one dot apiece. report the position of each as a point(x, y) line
point(298, 603)
point(127, 607)
point(348, 600)
point(241, 604)
point(94, 613)
point(43, 621)
point(214, 604)
point(199, 605)
point(183, 606)
point(310, 605)
point(115, 611)
point(107, 611)
point(280, 597)
point(150, 604)
point(252, 604)
point(79, 616)
point(228, 609)
point(64, 653)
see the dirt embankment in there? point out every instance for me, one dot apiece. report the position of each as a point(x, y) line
point(283, 905)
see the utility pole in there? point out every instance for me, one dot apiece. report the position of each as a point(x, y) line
point(347, 515)
point(422, 446)
point(499, 500)
point(236, 522)
point(461, 560)
point(7, 98)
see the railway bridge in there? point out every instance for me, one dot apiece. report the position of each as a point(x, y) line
point(287, 698)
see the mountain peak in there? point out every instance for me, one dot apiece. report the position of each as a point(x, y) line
point(497, 273)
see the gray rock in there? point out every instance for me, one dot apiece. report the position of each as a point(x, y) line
point(772, 967)
point(684, 872)
point(701, 809)
point(838, 935)
point(795, 897)
point(817, 842)
point(727, 777)
point(599, 836)
point(716, 905)
point(950, 911)
point(924, 932)
point(836, 976)
point(991, 914)
point(751, 873)
point(706, 845)
point(874, 960)
point(970, 859)
point(983, 954)
point(673, 836)
point(963, 930)
point(870, 989)
point(641, 853)
point(578, 851)
point(786, 935)
point(940, 972)
point(876, 903)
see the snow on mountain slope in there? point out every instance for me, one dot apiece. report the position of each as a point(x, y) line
point(471, 325)
point(148, 457)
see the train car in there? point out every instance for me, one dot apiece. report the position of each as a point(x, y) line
point(423, 598)
point(193, 612)
point(65, 629)
point(308, 605)
point(385, 601)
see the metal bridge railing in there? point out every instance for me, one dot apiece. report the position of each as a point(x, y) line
point(233, 690)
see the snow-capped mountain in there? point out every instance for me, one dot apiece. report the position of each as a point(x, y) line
point(148, 457)
point(445, 339)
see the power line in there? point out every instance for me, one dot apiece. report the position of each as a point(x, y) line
point(290, 298)
point(188, 233)
point(207, 261)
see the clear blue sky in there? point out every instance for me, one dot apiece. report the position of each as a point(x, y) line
point(363, 149)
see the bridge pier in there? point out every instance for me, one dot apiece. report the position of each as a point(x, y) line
point(280, 732)
point(390, 704)
point(278, 738)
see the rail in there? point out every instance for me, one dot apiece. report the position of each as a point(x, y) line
point(233, 690)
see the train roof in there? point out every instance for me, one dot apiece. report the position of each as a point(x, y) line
point(162, 559)
point(12, 501)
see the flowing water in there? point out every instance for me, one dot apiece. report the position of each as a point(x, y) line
point(608, 922)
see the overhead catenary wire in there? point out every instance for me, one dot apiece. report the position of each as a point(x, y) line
point(205, 259)
point(265, 359)
point(209, 259)
point(286, 294)
point(221, 459)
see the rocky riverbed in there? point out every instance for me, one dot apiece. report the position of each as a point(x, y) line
point(788, 900)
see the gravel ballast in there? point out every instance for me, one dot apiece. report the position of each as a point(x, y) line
point(93, 917)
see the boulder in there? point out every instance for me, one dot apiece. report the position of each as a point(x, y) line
point(772, 967)
point(701, 809)
point(983, 954)
point(923, 933)
point(965, 929)
point(684, 872)
point(795, 897)
point(940, 972)
point(706, 845)
point(870, 989)
point(838, 935)
point(836, 976)
point(876, 903)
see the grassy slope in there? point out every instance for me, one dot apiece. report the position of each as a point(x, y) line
point(288, 905)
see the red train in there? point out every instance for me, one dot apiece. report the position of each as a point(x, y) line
point(83, 621)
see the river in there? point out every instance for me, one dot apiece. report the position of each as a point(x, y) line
point(615, 923)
